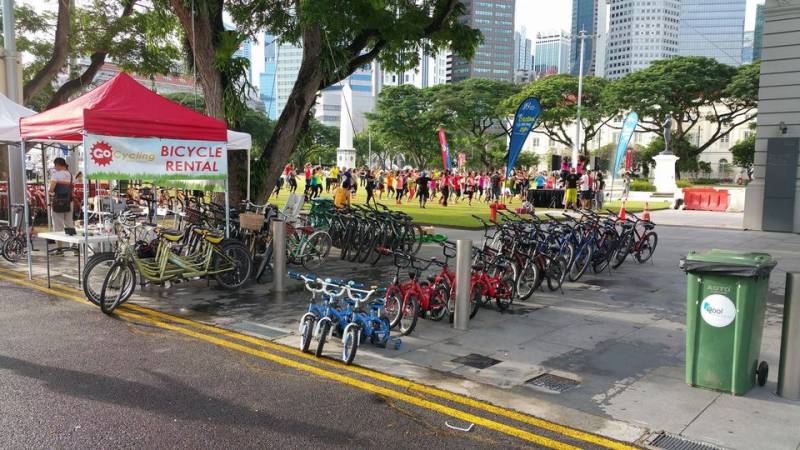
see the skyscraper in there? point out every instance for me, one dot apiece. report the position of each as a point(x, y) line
point(758, 34)
point(281, 64)
point(523, 49)
point(494, 58)
point(712, 28)
point(747, 47)
point(329, 106)
point(552, 53)
point(639, 33)
point(584, 18)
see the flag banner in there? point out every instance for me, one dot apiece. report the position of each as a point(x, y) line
point(445, 149)
point(628, 128)
point(524, 121)
point(125, 158)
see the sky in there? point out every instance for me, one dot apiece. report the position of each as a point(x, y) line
point(539, 16)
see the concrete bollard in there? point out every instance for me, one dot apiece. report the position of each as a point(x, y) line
point(279, 255)
point(789, 370)
point(463, 275)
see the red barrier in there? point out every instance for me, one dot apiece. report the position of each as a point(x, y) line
point(706, 199)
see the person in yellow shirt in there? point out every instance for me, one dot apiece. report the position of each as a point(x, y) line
point(390, 184)
point(341, 197)
point(334, 174)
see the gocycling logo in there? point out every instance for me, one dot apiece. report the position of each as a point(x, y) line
point(709, 309)
point(102, 154)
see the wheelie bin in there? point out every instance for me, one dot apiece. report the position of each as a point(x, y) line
point(725, 301)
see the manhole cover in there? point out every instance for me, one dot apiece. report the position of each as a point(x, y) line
point(477, 361)
point(669, 441)
point(553, 382)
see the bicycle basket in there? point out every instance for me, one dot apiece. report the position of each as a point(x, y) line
point(251, 221)
point(193, 216)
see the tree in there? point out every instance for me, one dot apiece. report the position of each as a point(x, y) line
point(381, 153)
point(60, 49)
point(405, 120)
point(341, 36)
point(473, 109)
point(744, 153)
point(558, 96)
point(690, 89)
point(317, 143)
point(686, 163)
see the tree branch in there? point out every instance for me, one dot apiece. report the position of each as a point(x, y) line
point(59, 57)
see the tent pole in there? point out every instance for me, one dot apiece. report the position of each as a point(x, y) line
point(248, 175)
point(227, 210)
point(28, 245)
point(85, 201)
point(46, 187)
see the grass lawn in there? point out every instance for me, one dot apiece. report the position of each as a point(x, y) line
point(458, 215)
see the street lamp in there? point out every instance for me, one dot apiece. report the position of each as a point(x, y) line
point(578, 123)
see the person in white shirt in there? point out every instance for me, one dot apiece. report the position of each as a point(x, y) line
point(585, 188)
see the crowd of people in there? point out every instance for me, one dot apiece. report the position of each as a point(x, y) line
point(582, 187)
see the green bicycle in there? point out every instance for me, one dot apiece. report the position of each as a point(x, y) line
point(228, 261)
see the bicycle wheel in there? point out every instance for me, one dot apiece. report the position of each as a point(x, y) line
point(556, 272)
point(623, 250)
point(118, 286)
point(392, 305)
point(234, 269)
point(306, 332)
point(506, 288)
point(411, 238)
point(475, 295)
point(315, 249)
point(5, 233)
point(409, 314)
point(323, 332)
point(582, 259)
point(368, 238)
point(647, 246)
point(378, 241)
point(350, 343)
point(14, 249)
point(439, 302)
point(94, 273)
point(526, 282)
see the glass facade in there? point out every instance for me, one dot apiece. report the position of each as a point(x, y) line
point(552, 54)
point(584, 18)
point(758, 34)
point(494, 58)
point(712, 28)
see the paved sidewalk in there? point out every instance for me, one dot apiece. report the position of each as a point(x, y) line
point(702, 219)
point(620, 336)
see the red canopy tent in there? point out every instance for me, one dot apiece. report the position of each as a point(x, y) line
point(121, 107)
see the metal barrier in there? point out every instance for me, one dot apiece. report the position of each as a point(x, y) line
point(789, 371)
point(279, 253)
point(463, 275)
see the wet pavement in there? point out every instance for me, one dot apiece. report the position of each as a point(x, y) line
point(619, 337)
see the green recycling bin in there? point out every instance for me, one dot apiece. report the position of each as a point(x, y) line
point(725, 301)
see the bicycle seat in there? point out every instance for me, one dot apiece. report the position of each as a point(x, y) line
point(479, 267)
point(214, 237)
point(308, 229)
point(171, 234)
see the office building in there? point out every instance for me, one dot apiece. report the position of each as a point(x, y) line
point(639, 33)
point(552, 53)
point(758, 33)
point(430, 71)
point(494, 58)
point(281, 65)
point(747, 47)
point(587, 16)
point(523, 51)
point(712, 28)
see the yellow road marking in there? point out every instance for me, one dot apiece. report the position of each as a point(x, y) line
point(410, 385)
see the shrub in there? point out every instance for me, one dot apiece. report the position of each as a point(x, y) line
point(642, 185)
point(683, 183)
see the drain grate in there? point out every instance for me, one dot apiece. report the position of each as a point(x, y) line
point(477, 361)
point(553, 382)
point(667, 441)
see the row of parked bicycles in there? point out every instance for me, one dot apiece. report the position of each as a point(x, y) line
point(518, 256)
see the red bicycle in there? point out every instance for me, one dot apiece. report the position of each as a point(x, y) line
point(404, 302)
point(494, 278)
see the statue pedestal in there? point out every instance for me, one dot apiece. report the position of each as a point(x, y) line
point(665, 174)
point(346, 158)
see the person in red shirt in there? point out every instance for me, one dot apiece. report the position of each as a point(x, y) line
point(457, 186)
point(445, 184)
point(308, 179)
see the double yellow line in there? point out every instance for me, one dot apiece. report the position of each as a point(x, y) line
point(308, 363)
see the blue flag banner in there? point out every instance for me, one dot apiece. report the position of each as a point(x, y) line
point(628, 128)
point(524, 121)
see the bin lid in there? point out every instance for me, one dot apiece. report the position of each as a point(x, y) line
point(745, 264)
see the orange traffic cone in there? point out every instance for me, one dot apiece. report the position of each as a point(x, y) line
point(621, 213)
point(646, 214)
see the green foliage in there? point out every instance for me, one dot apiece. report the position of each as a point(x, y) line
point(405, 120)
point(690, 88)
point(642, 185)
point(605, 156)
point(704, 166)
point(317, 144)
point(558, 96)
point(683, 183)
point(682, 148)
point(743, 154)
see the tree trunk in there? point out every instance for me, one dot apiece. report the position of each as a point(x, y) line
point(72, 86)
point(296, 113)
point(59, 57)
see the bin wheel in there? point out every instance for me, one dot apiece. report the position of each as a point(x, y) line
point(762, 372)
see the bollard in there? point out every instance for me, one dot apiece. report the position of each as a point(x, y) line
point(463, 275)
point(279, 253)
point(789, 370)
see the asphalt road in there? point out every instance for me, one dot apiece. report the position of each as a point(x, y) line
point(71, 377)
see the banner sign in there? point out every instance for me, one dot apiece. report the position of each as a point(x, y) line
point(628, 128)
point(524, 121)
point(445, 149)
point(154, 159)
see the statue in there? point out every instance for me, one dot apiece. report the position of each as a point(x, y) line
point(667, 135)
